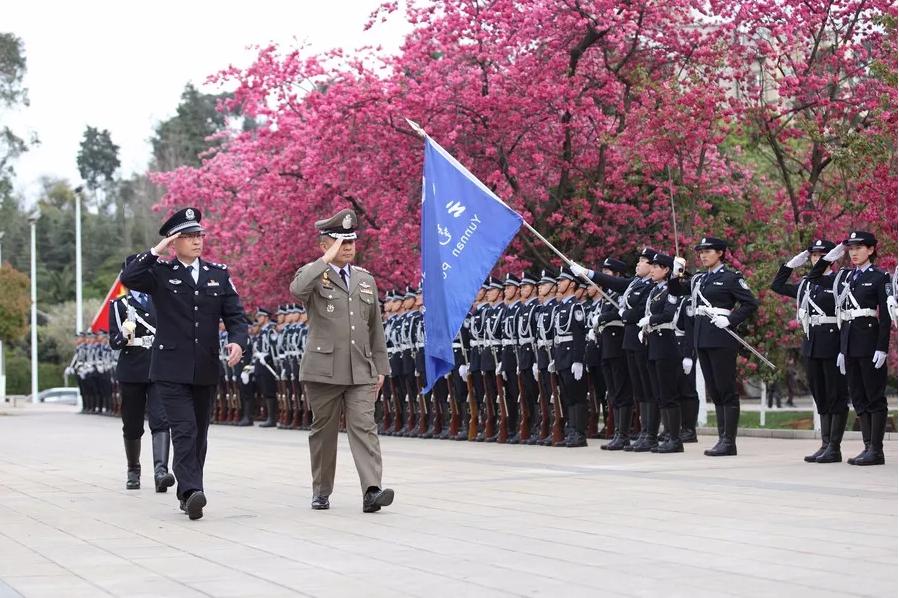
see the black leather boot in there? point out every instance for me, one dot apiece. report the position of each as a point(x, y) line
point(674, 444)
point(622, 436)
point(132, 456)
point(641, 437)
point(719, 423)
point(579, 427)
point(651, 438)
point(272, 412)
point(689, 409)
point(874, 455)
point(837, 426)
point(728, 445)
point(825, 439)
point(161, 476)
point(864, 422)
point(247, 416)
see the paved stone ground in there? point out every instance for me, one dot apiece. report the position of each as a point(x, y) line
point(469, 520)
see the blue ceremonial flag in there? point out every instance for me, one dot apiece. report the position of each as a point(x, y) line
point(465, 228)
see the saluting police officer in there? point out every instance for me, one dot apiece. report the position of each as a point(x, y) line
point(191, 295)
point(862, 294)
point(132, 326)
point(816, 312)
point(345, 361)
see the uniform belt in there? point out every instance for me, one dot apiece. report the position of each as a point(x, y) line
point(457, 345)
point(475, 343)
point(509, 342)
point(851, 314)
point(563, 339)
point(821, 320)
point(142, 341)
point(665, 326)
point(524, 342)
point(544, 344)
point(715, 311)
point(419, 345)
point(493, 343)
point(614, 323)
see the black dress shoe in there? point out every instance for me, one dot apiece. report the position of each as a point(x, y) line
point(376, 498)
point(164, 482)
point(320, 503)
point(182, 505)
point(194, 504)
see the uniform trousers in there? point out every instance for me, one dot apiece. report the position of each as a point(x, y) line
point(618, 382)
point(867, 385)
point(663, 375)
point(187, 408)
point(138, 398)
point(719, 369)
point(357, 401)
point(638, 370)
point(828, 386)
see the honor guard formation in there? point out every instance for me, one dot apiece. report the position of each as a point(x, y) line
point(554, 358)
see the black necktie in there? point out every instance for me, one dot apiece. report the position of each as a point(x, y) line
point(855, 275)
point(343, 276)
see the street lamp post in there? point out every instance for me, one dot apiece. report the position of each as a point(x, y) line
point(79, 317)
point(33, 221)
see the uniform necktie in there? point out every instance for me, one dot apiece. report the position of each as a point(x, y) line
point(855, 275)
point(345, 278)
point(190, 270)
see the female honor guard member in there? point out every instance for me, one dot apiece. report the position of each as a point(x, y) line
point(191, 296)
point(721, 299)
point(345, 361)
point(861, 293)
point(816, 311)
point(132, 324)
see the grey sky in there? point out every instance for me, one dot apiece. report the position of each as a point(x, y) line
point(122, 65)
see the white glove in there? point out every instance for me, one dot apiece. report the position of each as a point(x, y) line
point(798, 259)
point(702, 310)
point(680, 264)
point(579, 271)
point(620, 313)
point(577, 369)
point(536, 371)
point(463, 371)
point(505, 378)
point(879, 359)
point(69, 371)
point(245, 377)
point(644, 322)
point(552, 367)
point(841, 363)
point(591, 335)
point(687, 364)
point(128, 327)
point(499, 368)
point(721, 321)
point(892, 307)
point(835, 253)
point(640, 335)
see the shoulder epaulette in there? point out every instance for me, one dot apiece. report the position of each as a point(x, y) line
point(219, 266)
point(360, 268)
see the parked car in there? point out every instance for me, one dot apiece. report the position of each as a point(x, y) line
point(63, 395)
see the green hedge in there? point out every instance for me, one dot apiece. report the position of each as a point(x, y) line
point(18, 375)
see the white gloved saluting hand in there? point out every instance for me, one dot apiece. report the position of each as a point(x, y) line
point(835, 253)
point(798, 259)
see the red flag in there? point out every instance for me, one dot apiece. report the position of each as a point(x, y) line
point(101, 320)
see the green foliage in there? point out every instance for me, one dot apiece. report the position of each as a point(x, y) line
point(18, 374)
point(181, 139)
point(14, 303)
point(12, 71)
point(98, 157)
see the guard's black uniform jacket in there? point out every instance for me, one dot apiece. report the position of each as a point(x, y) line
point(543, 323)
point(476, 329)
point(815, 303)
point(610, 328)
point(662, 308)
point(634, 292)
point(526, 331)
point(722, 289)
point(134, 360)
point(508, 326)
point(861, 332)
point(186, 347)
point(569, 323)
point(492, 337)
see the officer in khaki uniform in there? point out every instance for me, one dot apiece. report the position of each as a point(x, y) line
point(345, 361)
